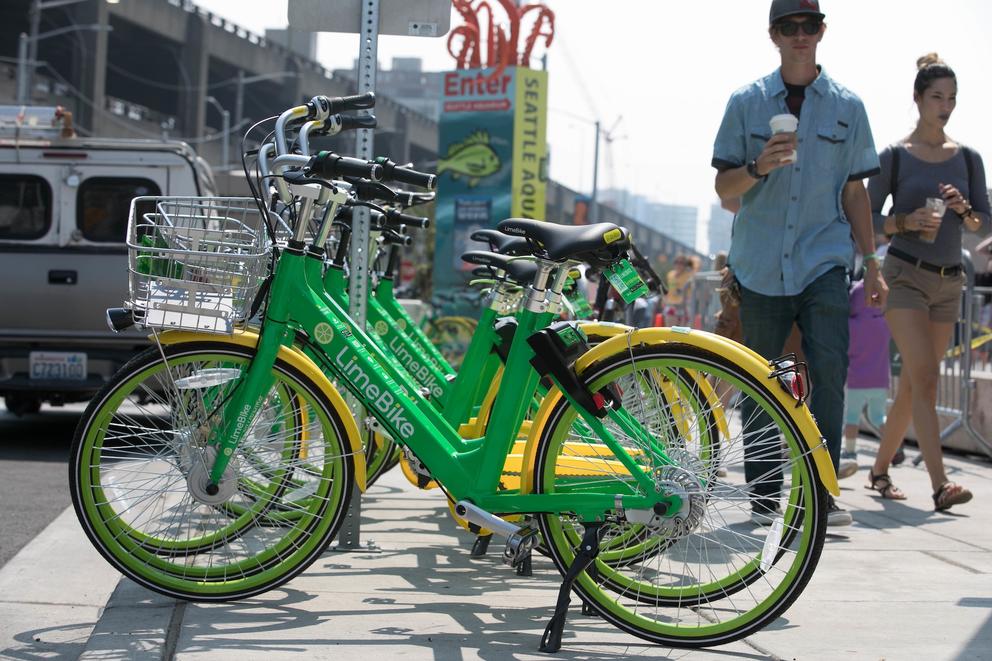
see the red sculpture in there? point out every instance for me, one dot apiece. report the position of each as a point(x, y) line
point(501, 45)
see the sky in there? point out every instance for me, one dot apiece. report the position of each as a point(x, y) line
point(666, 69)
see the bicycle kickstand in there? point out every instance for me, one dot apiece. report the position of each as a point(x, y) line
point(481, 545)
point(588, 550)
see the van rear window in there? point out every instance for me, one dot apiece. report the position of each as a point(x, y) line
point(25, 206)
point(103, 204)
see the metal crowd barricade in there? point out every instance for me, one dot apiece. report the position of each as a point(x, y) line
point(705, 300)
point(956, 387)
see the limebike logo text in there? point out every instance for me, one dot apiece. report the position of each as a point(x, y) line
point(383, 402)
point(419, 372)
point(244, 417)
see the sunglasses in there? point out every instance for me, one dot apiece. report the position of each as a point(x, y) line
point(790, 29)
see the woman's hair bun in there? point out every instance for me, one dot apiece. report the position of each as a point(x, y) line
point(927, 60)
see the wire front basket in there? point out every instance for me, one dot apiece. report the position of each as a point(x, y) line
point(195, 263)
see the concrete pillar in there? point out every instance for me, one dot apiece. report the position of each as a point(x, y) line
point(194, 58)
point(402, 143)
point(298, 88)
point(90, 74)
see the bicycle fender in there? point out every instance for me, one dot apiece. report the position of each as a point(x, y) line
point(298, 360)
point(741, 355)
point(753, 363)
point(596, 330)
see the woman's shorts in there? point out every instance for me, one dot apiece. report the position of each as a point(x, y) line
point(855, 400)
point(914, 288)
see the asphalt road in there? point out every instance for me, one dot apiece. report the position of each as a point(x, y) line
point(34, 488)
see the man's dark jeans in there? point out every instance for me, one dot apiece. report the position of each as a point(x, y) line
point(821, 311)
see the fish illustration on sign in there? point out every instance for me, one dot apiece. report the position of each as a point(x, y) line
point(472, 158)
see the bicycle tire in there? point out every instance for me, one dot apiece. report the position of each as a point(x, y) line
point(670, 603)
point(123, 518)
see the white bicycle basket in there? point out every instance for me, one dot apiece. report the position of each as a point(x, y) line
point(195, 263)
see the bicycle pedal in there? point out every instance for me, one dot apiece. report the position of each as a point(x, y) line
point(519, 546)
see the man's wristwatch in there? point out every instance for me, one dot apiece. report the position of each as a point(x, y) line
point(752, 170)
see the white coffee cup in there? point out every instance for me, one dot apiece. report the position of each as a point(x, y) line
point(785, 123)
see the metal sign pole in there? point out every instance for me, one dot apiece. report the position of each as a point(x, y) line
point(349, 538)
point(412, 18)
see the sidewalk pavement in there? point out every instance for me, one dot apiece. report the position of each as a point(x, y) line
point(902, 583)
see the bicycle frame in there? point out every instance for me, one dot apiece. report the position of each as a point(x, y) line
point(457, 397)
point(468, 468)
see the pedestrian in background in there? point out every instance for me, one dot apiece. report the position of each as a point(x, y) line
point(679, 292)
point(868, 374)
point(802, 199)
point(938, 189)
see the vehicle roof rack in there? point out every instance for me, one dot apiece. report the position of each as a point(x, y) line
point(36, 122)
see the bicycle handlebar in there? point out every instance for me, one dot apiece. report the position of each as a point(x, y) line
point(389, 237)
point(393, 172)
point(355, 102)
point(332, 166)
point(372, 190)
point(321, 107)
point(396, 217)
point(351, 122)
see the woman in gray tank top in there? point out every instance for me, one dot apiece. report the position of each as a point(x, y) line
point(923, 267)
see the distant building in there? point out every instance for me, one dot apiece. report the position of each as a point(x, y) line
point(408, 84)
point(721, 225)
point(626, 202)
point(676, 220)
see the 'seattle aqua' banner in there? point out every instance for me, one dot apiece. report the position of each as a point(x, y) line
point(492, 159)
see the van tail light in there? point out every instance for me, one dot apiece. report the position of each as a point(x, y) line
point(793, 376)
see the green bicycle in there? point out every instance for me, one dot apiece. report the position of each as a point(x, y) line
point(596, 459)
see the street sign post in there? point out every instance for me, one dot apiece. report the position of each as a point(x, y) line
point(369, 18)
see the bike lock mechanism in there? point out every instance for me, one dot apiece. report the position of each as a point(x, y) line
point(519, 541)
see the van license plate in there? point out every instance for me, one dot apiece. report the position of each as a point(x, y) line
point(58, 365)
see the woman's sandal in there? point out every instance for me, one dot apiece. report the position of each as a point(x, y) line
point(882, 483)
point(950, 494)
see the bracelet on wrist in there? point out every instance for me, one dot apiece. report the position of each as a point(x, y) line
point(870, 257)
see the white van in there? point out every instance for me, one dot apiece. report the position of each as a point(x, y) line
point(63, 216)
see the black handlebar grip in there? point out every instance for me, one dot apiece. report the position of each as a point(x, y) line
point(393, 172)
point(414, 178)
point(392, 238)
point(356, 102)
point(395, 217)
point(351, 122)
point(329, 165)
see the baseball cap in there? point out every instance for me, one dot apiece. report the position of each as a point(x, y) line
point(782, 8)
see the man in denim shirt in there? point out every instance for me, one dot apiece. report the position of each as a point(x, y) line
point(792, 246)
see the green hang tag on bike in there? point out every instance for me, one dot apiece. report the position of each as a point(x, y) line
point(626, 281)
point(580, 305)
